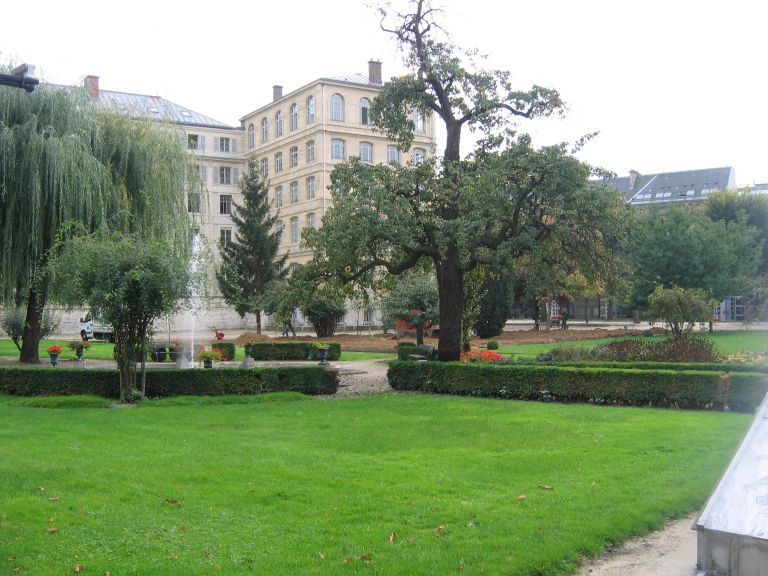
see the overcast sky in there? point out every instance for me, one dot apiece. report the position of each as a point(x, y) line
point(671, 85)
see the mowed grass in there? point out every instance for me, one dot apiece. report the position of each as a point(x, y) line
point(387, 484)
point(727, 342)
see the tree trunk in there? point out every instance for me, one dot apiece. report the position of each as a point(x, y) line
point(258, 321)
point(32, 326)
point(450, 281)
point(586, 310)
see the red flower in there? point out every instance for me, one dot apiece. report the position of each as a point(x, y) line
point(487, 356)
point(55, 349)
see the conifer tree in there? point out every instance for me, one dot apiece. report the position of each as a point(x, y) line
point(249, 263)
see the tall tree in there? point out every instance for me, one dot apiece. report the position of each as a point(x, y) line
point(682, 247)
point(503, 200)
point(250, 262)
point(62, 160)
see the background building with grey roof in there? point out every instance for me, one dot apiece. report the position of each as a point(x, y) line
point(687, 186)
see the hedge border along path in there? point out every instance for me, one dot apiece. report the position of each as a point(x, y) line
point(44, 381)
point(708, 390)
point(293, 350)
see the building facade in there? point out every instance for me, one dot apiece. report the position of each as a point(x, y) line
point(299, 137)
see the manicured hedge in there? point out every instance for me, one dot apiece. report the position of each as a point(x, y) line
point(226, 349)
point(168, 382)
point(697, 366)
point(740, 391)
point(292, 351)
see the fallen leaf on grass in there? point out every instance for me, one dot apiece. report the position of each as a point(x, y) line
point(546, 487)
point(364, 557)
point(18, 570)
point(522, 497)
point(173, 502)
point(392, 537)
point(41, 488)
point(11, 558)
point(53, 498)
point(322, 556)
point(173, 557)
point(218, 567)
point(52, 530)
point(79, 568)
point(106, 573)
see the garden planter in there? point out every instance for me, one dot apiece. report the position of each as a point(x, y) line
point(322, 353)
point(54, 358)
point(79, 353)
point(207, 362)
point(248, 350)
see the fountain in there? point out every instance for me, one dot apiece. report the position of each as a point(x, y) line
point(733, 527)
point(188, 321)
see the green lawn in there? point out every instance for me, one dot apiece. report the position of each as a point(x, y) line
point(387, 484)
point(729, 342)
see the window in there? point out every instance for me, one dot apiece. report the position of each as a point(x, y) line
point(310, 188)
point(251, 136)
point(224, 144)
point(366, 152)
point(365, 112)
point(311, 220)
point(337, 108)
point(278, 123)
point(279, 232)
point(225, 204)
point(265, 167)
point(202, 172)
point(294, 117)
point(295, 236)
point(193, 202)
point(222, 175)
point(393, 154)
point(418, 121)
point(279, 196)
point(311, 151)
point(293, 156)
point(337, 149)
point(278, 162)
point(418, 155)
point(225, 236)
point(193, 141)
point(264, 130)
point(294, 192)
point(311, 110)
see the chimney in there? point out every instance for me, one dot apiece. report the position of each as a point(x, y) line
point(633, 175)
point(277, 93)
point(374, 72)
point(91, 84)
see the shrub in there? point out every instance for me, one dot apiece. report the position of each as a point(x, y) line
point(691, 349)
point(493, 307)
point(325, 313)
point(168, 382)
point(293, 350)
point(405, 351)
point(226, 350)
point(659, 388)
point(492, 345)
point(678, 366)
point(249, 337)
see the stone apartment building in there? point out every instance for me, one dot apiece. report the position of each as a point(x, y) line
point(296, 139)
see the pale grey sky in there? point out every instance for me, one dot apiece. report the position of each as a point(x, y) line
point(670, 85)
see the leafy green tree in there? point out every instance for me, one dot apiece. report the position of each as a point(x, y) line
point(250, 262)
point(494, 306)
point(501, 202)
point(681, 308)
point(324, 311)
point(63, 160)
point(12, 324)
point(733, 206)
point(414, 300)
point(674, 245)
point(131, 281)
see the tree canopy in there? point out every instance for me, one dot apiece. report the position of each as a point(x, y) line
point(62, 160)
point(250, 263)
point(506, 200)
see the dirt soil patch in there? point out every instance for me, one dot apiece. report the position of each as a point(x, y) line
point(381, 342)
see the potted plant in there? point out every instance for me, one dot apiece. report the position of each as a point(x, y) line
point(322, 353)
point(207, 357)
point(53, 353)
point(218, 333)
point(78, 346)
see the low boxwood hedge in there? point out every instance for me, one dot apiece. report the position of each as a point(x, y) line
point(742, 391)
point(41, 381)
point(226, 349)
point(696, 366)
point(292, 351)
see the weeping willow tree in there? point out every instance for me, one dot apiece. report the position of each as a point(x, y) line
point(63, 160)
